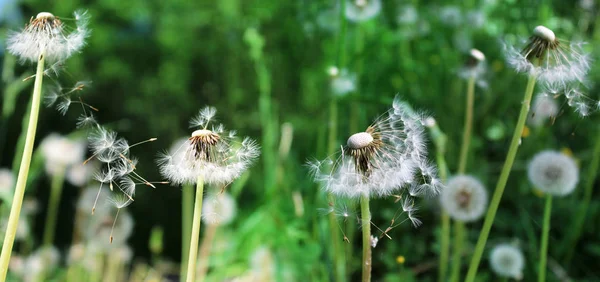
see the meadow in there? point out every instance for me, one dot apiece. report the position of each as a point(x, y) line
point(361, 140)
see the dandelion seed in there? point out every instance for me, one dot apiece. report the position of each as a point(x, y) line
point(116, 226)
point(507, 261)
point(362, 10)
point(209, 153)
point(553, 172)
point(374, 241)
point(47, 34)
point(464, 198)
point(119, 203)
point(552, 60)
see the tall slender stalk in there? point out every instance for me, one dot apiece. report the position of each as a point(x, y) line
point(495, 202)
point(365, 215)
point(459, 239)
point(466, 140)
point(577, 225)
point(56, 188)
point(193, 250)
point(17, 202)
point(187, 209)
point(544, 242)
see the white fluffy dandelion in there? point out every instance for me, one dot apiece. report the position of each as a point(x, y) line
point(61, 152)
point(550, 59)
point(508, 261)
point(211, 153)
point(388, 156)
point(362, 10)
point(219, 209)
point(464, 198)
point(553, 172)
point(544, 107)
point(48, 34)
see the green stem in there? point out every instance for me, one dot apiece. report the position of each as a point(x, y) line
point(590, 178)
point(466, 141)
point(193, 250)
point(495, 202)
point(15, 209)
point(365, 214)
point(56, 188)
point(444, 247)
point(459, 238)
point(187, 209)
point(544, 243)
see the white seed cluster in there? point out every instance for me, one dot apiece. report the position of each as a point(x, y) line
point(553, 172)
point(507, 261)
point(464, 198)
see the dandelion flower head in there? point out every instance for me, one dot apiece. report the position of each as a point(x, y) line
point(211, 153)
point(464, 198)
point(388, 156)
point(553, 172)
point(550, 59)
point(508, 261)
point(362, 10)
point(219, 209)
point(49, 35)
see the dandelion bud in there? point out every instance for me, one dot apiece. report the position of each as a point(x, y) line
point(464, 198)
point(553, 172)
point(47, 34)
point(507, 260)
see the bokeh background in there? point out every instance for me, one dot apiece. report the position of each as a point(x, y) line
point(264, 66)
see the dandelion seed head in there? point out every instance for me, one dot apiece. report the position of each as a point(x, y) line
point(464, 198)
point(48, 34)
point(362, 10)
point(219, 209)
point(210, 154)
point(508, 261)
point(61, 153)
point(380, 161)
point(553, 172)
point(544, 33)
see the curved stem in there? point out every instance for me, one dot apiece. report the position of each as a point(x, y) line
point(193, 251)
point(56, 188)
point(187, 209)
point(365, 220)
point(495, 202)
point(466, 140)
point(17, 202)
point(459, 235)
point(544, 243)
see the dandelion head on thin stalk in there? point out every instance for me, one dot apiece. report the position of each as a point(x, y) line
point(550, 59)
point(544, 107)
point(474, 67)
point(212, 152)
point(48, 34)
point(362, 10)
point(464, 198)
point(553, 172)
point(219, 209)
point(507, 260)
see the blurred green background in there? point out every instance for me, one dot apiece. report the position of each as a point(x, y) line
point(154, 64)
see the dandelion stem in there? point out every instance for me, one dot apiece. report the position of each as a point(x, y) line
point(466, 140)
point(365, 214)
point(459, 238)
point(495, 202)
point(544, 243)
point(577, 225)
point(439, 139)
point(187, 209)
point(205, 247)
point(56, 188)
point(17, 202)
point(193, 250)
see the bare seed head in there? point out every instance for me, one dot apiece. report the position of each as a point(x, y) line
point(544, 33)
point(477, 55)
point(203, 140)
point(362, 146)
point(44, 15)
point(359, 140)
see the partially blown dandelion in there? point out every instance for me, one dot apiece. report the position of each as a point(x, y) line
point(47, 34)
